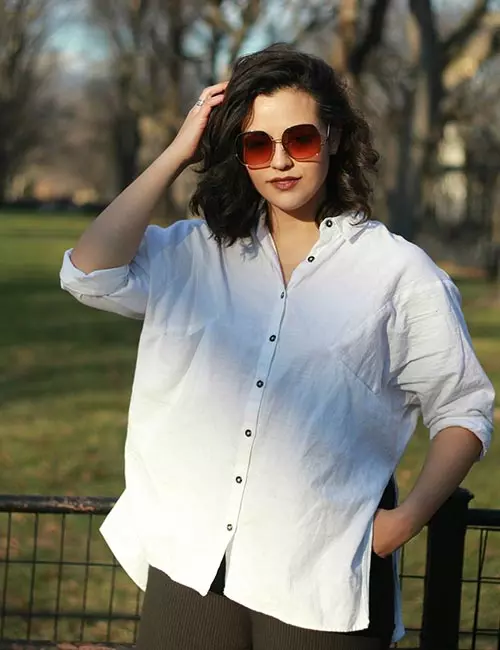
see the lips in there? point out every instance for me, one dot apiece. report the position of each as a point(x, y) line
point(286, 183)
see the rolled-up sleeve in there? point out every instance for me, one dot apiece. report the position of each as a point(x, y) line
point(123, 290)
point(434, 363)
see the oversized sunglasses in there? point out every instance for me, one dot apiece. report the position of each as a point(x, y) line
point(255, 149)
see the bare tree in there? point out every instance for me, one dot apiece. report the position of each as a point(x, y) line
point(428, 101)
point(127, 26)
point(163, 51)
point(354, 43)
point(24, 73)
point(412, 84)
point(82, 150)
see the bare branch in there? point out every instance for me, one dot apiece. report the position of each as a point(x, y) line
point(25, 76)
point(214, 16)
point(372, 38)
point(318, 19)
point(431, 54)
point(455, 42)
point(249, 17)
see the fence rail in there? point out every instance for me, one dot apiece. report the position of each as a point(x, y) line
point(61, 588)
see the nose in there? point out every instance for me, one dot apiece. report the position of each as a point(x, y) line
point(281, 160)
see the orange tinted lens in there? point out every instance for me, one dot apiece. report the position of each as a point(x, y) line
point(255, 148)
point(302, 141)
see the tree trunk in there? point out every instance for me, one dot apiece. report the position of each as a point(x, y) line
point(172, 209)
point(127, 142)
point(3, 186)
point(405, 197)
point(421, 124)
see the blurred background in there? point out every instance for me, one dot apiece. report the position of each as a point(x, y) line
point(91, 91)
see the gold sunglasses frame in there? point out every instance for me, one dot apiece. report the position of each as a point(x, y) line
point(240, 136)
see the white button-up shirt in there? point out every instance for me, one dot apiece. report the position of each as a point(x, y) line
point(266, 421)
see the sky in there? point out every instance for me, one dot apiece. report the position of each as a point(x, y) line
point(70, 38)
point(73, 38)
point(81, 47)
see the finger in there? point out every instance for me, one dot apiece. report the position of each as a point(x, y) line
point(216, 87)
point(213, 90)
point(215, 99)
point(208, 103)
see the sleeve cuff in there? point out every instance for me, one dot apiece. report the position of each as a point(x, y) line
point(102, 282)
point(481, 427)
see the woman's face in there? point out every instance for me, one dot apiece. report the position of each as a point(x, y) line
point(304, 192)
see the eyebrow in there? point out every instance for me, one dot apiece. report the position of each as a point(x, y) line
point(318, 126)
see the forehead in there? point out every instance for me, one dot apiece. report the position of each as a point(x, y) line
point(274, 113)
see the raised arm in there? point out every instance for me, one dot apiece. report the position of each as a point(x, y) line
point(114, 237)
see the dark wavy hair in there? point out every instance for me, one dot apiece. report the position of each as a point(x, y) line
point(225, 195)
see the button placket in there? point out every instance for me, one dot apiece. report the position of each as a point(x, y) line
point(321, 250)
point(271, 252)
point(241, 466)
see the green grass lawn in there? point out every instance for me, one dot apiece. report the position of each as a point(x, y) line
point(65, 379)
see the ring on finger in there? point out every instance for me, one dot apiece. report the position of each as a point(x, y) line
point(200, 102)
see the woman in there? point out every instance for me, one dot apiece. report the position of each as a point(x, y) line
point(289, 344)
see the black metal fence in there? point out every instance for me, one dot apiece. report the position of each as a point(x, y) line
point(60, 585)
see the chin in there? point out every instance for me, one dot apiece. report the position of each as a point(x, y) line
point(290, 204)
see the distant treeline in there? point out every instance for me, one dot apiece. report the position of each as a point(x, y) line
point(63, 205)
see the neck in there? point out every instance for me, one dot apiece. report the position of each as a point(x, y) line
point(302, 220)
point(282, 223)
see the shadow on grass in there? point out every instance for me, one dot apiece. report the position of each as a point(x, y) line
point(39, 311)
point(64, 379)
point(52, 345)
point(485, 330)
point(21, 234)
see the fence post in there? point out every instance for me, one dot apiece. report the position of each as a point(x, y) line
point(443, 574)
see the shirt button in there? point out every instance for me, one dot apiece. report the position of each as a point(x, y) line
point(311, 259)
point(329, 223)
point(260, 383)
point(230, 526)
point(238, 479)
point(282, 295)
point(272, 338)
point(248, 433)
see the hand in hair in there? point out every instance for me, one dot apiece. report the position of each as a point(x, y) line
point(188, 138)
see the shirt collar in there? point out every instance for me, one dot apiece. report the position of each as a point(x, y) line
point(348, 225)
point(262, 230)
